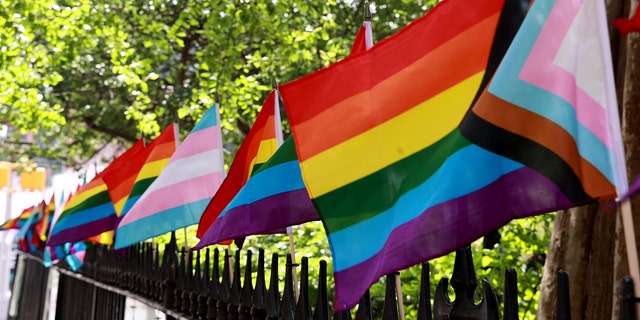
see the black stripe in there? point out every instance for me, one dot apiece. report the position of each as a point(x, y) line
point(525, 151)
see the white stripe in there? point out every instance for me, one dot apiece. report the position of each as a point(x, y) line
point(188, 168)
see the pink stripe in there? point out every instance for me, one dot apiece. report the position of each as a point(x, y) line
point(198, 142)
point(174, 195)
point(539, 68)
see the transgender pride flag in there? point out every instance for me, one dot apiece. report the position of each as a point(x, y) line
point(178, 197)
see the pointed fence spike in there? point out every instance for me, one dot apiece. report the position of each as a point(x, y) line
point(273, 294)
point(321, 311)
point(390, 307)
point(195, 286)
point(442, 304)
point(180, 285)
point(203, 285)
point(367, 12)
point(364, 307)
point(303, 307)
point(188, 276)
point(288, 303)
point(424, 306)
point(244, 311)
point(490, 307)
point(236, 288)
point(168, 271)
point(510, 294)
point(214, 287)
point(259, 297)
point(225, 287)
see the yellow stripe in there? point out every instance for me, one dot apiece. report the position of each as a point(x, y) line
point(391, 141)
point(152, 169)
point(86, 194)
point(266, 149)
point(105, 238)
point(120, 205)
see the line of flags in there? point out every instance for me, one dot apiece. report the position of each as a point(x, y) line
point(473, 115)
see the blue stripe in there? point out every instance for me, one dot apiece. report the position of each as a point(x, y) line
point(160, 223)
point(278, 179)
point(129, 204)
point(469, 169)
point(507, 85)
point(83, 217)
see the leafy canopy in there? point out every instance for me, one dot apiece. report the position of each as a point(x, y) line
point(83, 74)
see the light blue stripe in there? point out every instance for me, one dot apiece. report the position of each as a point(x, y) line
point(275, 180)
point(83, 217)
point(160, 223)
point(468, 170)
point(507, 85)
point(209, 119)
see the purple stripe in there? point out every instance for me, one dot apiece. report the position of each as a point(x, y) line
point(633, 189)
point(84, 231)
point(267, 216)
point(438, 231)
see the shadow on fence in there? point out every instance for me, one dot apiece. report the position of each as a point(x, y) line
point(183, 287)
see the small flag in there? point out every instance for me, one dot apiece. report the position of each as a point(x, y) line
point(178, 197)
point(263, 140)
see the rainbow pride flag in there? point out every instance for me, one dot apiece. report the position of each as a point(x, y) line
point(89, 211)
point(178, 197)
point(120, 182)
point(275, 197)
point(156, 155)
point(377, 139)
point(263, 140)
point(42, 227)
point(19, 221)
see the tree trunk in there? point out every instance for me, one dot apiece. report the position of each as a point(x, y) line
point(588, 242)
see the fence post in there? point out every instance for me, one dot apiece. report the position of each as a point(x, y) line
point(259, 297)
point(510, 295)
point(273, 294)
point(223, 298)
point(424, 305)
point(628, 300)
point(214, 287)
point(321, 311)
point(234, 296)
point(563, 300)
point(364, 307)
point(244, 309)
point(288, 303)
point(390, 307)
point(303, 307)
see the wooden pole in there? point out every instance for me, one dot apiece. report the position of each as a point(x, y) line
point(294, 264)
point(399, 294)
point(632, 251)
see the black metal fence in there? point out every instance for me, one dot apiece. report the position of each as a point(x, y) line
point(191, 285)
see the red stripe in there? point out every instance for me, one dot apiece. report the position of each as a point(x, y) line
point(386, 58)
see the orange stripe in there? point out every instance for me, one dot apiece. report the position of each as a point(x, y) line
point(162, 151)
point(462, 56)
point(527, 124)
point(385, 58)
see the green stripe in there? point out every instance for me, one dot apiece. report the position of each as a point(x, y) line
point(97, 199)
point(141, 186)
point(371, 195)
point(286, 153)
